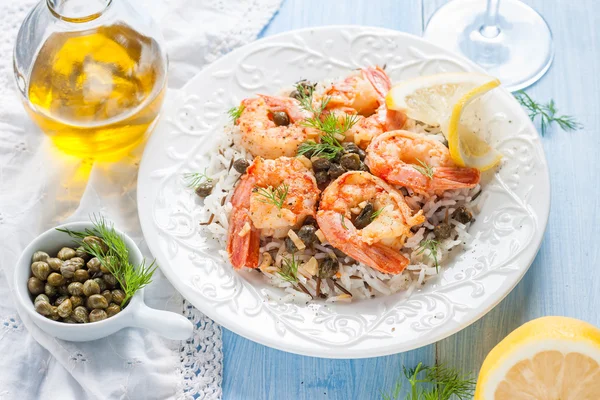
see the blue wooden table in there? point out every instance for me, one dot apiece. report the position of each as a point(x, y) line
point(564, 278)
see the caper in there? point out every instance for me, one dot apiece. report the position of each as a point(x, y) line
point(65, 308)
point(81, 275)
point(81, 253)
point(80, 314)
point(93, 265)
point(350, 147)
point(328, 268)
point(310, 220)
point(43, 307)
point(107, 295)
point(307, 234)
point(69, 320)
point(96, 301)
point(281, 118)
point(41, 297)
point(362, 154)
point(303, 89)
point(364, 167)
point(40, 256)
point(112, 309)
point(59, 300)
point(309, 153)
point(240, 165)
point(118, 296)
point(320, 164)
point(66, 253)
point(336, 170)
point(63, 290)
point(110, 281)
point(96, 242)
point(204, 189)
point(101, 283)
point(350, 161)
point(91, 287)
point(295, 94)
point(462, 215)
point(322, 178)
point(53, 314)
point(108, 260)
point(40, 270)
point(442, 231)
point(97, 315)
point(289, 245)
point(76, 301)
point(55, 263)
point(50, 290)
point(35, 286)
point(75, 288)
point(364, 218)
point(80, 262)
point(68, 269)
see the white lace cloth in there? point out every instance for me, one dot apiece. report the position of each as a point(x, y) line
point(40, 189)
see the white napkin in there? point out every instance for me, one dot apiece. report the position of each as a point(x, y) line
point(40, 188)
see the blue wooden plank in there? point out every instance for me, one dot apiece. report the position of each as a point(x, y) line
point(253, 371)
point(564, 278)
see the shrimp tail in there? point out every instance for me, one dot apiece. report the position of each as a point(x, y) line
point(402, 174)
point(289, 105)
point(446, 178)
point(379, 79)
point(243, 242)
point(345, 237)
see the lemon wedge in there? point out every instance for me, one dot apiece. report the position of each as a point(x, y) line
point(449, 100)
point(547, 358)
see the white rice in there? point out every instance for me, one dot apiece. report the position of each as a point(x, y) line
point(359, 280)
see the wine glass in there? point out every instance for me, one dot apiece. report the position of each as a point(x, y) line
point(507, 38)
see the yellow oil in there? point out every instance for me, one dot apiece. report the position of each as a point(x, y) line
point(97, 93)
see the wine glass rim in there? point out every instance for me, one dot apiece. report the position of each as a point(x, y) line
point(77, 19)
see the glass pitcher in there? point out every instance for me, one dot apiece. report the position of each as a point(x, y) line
point(92, 74)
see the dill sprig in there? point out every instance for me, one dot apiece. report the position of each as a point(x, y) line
point(547, 113)
point(194, 179)
point(343, 221)
point(275, 196)
point(424, 168)
point(376, 213)
point(289, 269)
point(332, 127)
point(432, 246)
point(235, 113)
point(434, 383)
point(115, 257)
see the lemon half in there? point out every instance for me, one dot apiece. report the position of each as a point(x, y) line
point(442, 99)
point(547, 358)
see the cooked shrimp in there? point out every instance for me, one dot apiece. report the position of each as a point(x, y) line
point(401, 157)
point(378, 244)
point(363, 93)
point(259, 133)
point(295, 194)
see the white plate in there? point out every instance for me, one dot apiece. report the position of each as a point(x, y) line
point(509, 228)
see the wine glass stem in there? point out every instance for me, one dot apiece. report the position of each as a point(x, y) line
point(490, 27)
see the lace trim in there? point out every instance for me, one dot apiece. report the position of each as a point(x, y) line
point(201, 358)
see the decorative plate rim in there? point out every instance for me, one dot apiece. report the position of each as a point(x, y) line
point(152, 237)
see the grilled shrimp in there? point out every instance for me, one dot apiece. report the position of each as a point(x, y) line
point(402, 157)
point(378, 243)
point(363, 93)
point(261, 136)
point(272, 197)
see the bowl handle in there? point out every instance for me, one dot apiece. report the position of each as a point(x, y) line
point(165, 323)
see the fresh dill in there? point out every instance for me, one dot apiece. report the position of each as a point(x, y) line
point(194, 179)
point(275, 196)
point(434, 383)
point(235, 113)
point(376, 214)
point(289, 269)
point(424, 168)
point(114, 256)
point(547, 113)
point(432, 246)
point(332, 127)
point(344, 221)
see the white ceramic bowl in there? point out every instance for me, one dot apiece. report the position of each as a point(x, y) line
point(135, 314)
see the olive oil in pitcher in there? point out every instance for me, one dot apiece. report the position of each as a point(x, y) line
point(97, 91)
